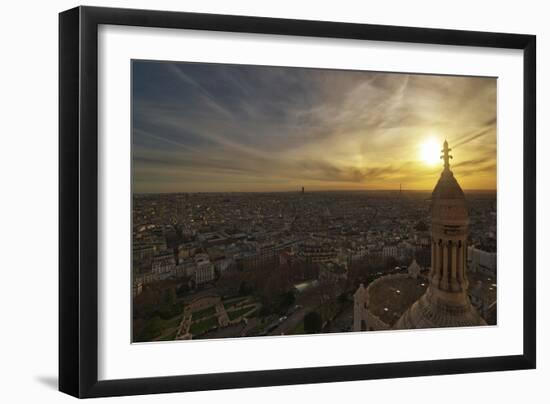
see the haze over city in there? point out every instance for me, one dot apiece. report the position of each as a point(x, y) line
point(231, 128)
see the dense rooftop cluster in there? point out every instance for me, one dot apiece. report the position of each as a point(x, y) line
point(263, 245)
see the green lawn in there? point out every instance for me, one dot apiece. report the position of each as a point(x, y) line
point(237, 313)
point(169, 337)
point(209, 311)
point(201, 327)
point(169, 328)
point(158, 329)
point(234, 301)
point(171, 323)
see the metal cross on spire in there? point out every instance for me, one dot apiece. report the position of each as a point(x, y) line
point(446, 156)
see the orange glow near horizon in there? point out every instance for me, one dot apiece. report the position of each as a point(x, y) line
point(230, 128)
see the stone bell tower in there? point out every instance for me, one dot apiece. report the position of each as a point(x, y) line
point(446, 302)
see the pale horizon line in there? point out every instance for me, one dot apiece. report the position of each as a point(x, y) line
point(299, 191)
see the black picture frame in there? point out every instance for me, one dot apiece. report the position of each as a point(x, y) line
point(78, 200)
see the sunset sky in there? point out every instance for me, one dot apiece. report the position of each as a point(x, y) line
point(219, 128)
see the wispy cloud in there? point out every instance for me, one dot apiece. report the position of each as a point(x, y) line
point(228, 127)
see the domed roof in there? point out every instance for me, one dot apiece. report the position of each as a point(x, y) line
point(447, 187)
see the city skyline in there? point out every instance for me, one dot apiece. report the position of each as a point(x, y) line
point(228, 265)
point(298, 190)
point(231, 128)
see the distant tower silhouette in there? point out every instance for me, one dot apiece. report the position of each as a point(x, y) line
point(446, 302)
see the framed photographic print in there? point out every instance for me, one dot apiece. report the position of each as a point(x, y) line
point(251, 201)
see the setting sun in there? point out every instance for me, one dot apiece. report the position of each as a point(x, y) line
point(430, 151)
